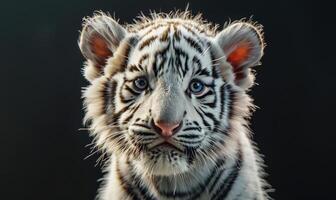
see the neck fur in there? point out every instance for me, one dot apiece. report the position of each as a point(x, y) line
point(199, 181)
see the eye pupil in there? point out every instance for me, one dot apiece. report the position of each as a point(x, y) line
point(196, 86)
point(140, 83)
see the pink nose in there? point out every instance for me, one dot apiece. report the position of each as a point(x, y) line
point(167, 129)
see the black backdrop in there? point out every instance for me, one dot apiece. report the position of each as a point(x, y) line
point(42, 151)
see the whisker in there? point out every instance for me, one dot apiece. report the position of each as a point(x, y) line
point(217, 59)
point(206, 50)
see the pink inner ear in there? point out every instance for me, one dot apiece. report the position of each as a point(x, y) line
point(237, 57)
point(100, 49)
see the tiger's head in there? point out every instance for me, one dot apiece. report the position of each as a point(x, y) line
point(167, 91)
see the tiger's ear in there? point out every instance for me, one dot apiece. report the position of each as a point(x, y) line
point(99, 39)
point(243, 45)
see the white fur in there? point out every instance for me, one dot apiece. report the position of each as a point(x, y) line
point(173, 176)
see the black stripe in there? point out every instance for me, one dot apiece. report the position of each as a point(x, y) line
point(193, 43)
point(123, 98)
point(133, 68)
point(121, 67)
point(178, 63)
point(144, 191)
point(211, 116)
point(186, 67)
point(198, 28)
point(190, 143)
point(203, 72)
point(216, 174)
point(232, 96)
point(191, 154)
point(157, 54)
point(211, 104)
point(203, 120)
point(219, 163)
point(143, 133)
point(192, 128)
point(177, 33)
point(142, 125)
point(132, 111)
point(116, 116)
point(191, 136)
point(154, 28)
point(197, 61)
point(131, 90)
point(146, 25)
point(176, 194)
point(109, 95)
point(222, 91)
point(180, 52)
point(215, 66)
point(125, 185)
point(193, 33)
point(165, 34)
point(197, 69)
point(147, 42)
point(224, 189)
point(131, 43)
point(161, 65)
point(143, 58)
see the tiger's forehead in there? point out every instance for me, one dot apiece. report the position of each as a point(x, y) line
point(197, 25)
point(172, 29)
point(171, 45)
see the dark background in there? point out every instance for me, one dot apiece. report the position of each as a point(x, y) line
point(42, 150)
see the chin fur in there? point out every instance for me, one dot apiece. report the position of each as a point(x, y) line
point(162, 162)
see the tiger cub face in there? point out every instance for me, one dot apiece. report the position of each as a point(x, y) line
point(164, 90)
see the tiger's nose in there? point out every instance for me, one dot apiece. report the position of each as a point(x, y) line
point(166, 129)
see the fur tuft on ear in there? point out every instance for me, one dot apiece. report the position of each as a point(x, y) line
point(99, 39)
point(243, 45)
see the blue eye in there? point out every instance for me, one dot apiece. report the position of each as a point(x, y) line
point(196, 87)
point(140, 83)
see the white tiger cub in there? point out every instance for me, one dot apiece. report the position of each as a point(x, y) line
point(167, 103)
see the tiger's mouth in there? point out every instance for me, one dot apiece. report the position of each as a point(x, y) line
point(167, 146)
